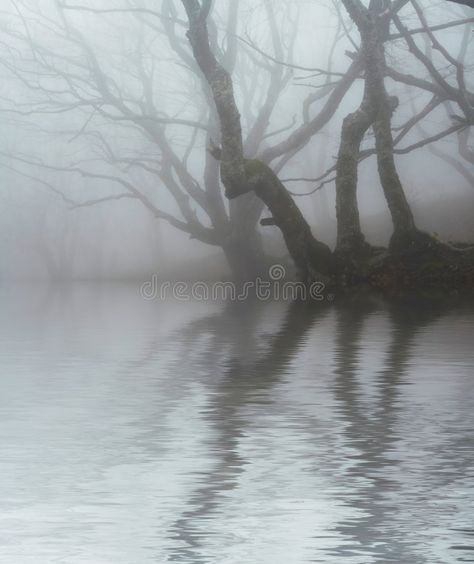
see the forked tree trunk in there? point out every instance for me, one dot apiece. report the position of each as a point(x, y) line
point(373, 27)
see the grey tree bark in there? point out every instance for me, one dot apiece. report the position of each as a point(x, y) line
point(373, 26)
point(350, 238)
point(240, 176)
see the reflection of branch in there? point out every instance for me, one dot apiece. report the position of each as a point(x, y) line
point(371, 424)
point(242, 383)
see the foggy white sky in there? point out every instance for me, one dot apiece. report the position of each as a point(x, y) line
point(122, 237)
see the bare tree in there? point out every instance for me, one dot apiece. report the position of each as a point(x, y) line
point(240, 175)
point(148, 146)
point(126, 124)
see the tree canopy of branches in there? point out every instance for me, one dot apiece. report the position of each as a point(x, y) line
point(145, 138)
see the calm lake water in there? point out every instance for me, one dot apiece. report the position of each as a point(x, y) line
point(142, 432)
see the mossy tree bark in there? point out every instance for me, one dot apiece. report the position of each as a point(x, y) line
point(220, 82)
point(239, 176)
point(350, 238)
point(311, 257)
point(372, 24)
point(375, 64)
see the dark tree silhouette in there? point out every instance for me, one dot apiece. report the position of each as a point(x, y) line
point(240, 176)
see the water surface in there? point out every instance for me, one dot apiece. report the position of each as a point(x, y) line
point(135, 432)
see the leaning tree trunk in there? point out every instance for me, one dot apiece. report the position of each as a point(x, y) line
point(350, 238)
point(373, 34)
point(311, 257)
point(239, 176)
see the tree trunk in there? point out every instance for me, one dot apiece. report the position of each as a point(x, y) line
point(374, 57)
point(373, 25)
point(244, 248)
point(320, 201)
point(311, 257)
point(245, 256)
point(350, 238)
point(402, 217)
point(239, 176)
point(238, 228)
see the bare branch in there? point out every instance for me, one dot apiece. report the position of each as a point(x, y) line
point(141, 11)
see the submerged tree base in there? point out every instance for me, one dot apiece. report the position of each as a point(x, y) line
point(433, 267)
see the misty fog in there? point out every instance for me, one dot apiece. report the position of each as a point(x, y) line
point(236, 281)
point(58, 124)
